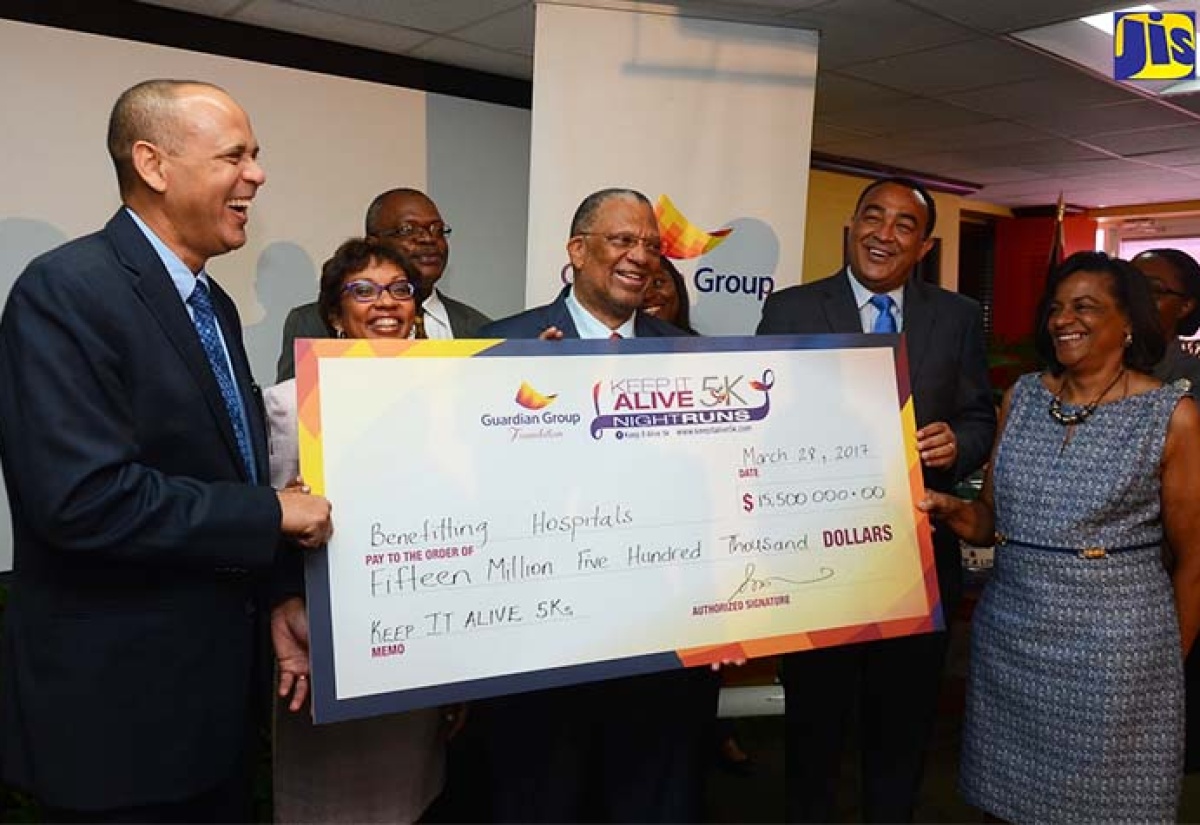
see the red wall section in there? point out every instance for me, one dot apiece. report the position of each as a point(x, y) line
point(1022, 261)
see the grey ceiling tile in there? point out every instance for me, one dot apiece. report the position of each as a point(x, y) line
point(1190, 102)
point(1011, 15)
point(883, 148)
point(957, 67)
point(1147, 141)
point(1127, 195)
point(510, 31)
point(962, 166)
point(277, 14)
point(1118, 117)
point(1056, 89)
point(997, 174)
point(1021, 155)
point(1175, 158)
point(1090, 168)
point(980, 135)
point(1039, 188)
point(908, 116)
point(765, 8)
point(427, 15)
point(209, 8)
point(838, 93)
point(1146, 177)
point(1036, 151)
point(827, 135)
point(458, 53)
point(855, 31)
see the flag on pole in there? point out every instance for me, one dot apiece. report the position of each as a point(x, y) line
point(1059, 244)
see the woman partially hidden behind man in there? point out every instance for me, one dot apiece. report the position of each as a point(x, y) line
point(387, 768)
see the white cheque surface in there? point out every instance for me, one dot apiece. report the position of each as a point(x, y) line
point(482, 530)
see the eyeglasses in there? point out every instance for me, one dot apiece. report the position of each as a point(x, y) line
point(625, 242)
point(368, 292)
point(435, 230)
point(1158, 290)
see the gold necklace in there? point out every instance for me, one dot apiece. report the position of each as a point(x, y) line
point(1084, 412)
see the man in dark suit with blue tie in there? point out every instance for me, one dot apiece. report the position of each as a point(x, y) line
point(894, 682)
point(623, 750)
point(135, 454)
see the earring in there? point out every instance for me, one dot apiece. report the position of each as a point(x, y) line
point(1128, 339)
point(341, 333)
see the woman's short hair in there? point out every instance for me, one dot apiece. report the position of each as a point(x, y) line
point(684, 319)
point(1189, 274)
point(1132, 294)
point(351, 258)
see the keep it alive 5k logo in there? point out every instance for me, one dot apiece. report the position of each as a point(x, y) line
point(1154, 45)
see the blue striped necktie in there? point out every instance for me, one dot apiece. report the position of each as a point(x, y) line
point(205, 320)
point(885, 321)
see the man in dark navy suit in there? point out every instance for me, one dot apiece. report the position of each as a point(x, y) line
point(895, 682)
point(135, 454)
point(623, 750)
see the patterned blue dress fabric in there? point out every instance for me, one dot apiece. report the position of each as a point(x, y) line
point(1075, 690)
point(205, 320)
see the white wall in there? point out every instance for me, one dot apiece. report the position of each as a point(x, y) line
point(329, 146)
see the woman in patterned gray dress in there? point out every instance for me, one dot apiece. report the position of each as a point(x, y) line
point(1075, 690)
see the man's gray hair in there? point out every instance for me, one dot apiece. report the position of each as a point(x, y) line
point(585, 215)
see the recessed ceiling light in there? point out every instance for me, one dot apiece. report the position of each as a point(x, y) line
point(1104, 22)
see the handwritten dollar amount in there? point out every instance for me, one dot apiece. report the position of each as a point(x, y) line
point(796, 499)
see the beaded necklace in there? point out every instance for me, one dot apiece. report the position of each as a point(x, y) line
point(1083, 413)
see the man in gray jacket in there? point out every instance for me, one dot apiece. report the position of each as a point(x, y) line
point(411, 222)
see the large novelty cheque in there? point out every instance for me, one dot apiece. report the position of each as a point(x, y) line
point(512, 515)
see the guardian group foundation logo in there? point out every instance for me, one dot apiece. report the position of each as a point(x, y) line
point(1154, 45)
point(539, 423)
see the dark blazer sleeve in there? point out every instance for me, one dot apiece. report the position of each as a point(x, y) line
point(86, 423)
point(303, 321)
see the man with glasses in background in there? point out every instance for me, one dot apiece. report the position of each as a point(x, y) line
point(633, 749)
point(410, 222)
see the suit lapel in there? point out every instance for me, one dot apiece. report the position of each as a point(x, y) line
point(454, 315)
point(153, 285)
point(841, 311)
point(643, 328)
point(557, 315)
point(918, 324)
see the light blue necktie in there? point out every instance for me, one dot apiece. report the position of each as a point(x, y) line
point(885, 321)
point(206, 325)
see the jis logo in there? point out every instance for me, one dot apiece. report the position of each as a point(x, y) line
point(1154, 45)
